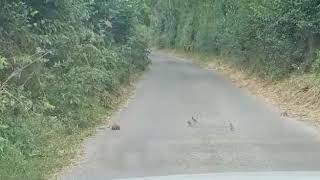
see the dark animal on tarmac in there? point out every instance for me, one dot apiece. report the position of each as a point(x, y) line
point(231, 126)
point(189, 123)
point(194, 120)
point(115, 127)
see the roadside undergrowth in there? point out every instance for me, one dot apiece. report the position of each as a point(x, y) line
point(70, 150)
point(64, 68)
point(298, 95)
point(59, 150)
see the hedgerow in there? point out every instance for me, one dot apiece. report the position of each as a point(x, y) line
point(270, 38)
point(62, 62)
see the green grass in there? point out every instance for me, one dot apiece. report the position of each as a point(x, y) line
point(57, 144)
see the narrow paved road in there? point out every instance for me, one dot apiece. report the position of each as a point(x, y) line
point(156, 140)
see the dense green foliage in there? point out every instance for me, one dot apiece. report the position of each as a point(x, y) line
point(62, 63)
point(270, 37)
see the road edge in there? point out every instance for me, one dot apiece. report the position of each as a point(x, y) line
point(127, 92)
point(287, 95)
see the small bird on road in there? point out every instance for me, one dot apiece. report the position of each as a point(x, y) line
point(231, 126)
point(115, 127)
point(189, 123)
point(194, 120)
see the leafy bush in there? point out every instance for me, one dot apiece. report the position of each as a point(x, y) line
point(61, 65)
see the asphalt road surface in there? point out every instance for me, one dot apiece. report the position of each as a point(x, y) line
point(235, 131)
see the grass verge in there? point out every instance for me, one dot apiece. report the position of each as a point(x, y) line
point(58, 146)
point(297, 95)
